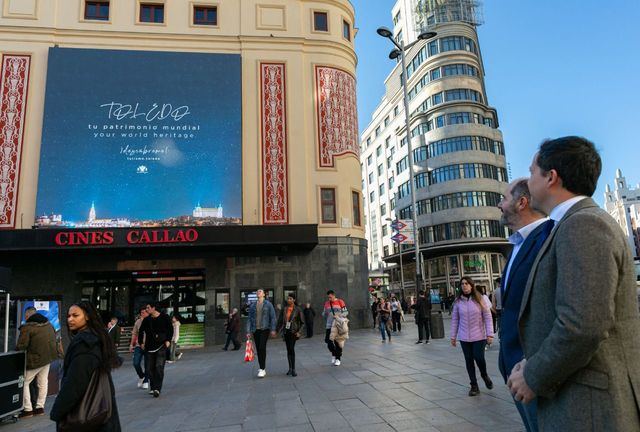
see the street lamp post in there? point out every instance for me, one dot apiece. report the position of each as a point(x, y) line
point(401, 269)
point(400, 52)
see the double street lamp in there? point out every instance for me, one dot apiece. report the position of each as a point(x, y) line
point(400, 51)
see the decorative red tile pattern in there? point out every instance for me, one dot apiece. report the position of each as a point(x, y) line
point(13, 106)
point(337, 114)
point(274, 144)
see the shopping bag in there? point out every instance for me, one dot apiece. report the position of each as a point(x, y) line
point(248, 352)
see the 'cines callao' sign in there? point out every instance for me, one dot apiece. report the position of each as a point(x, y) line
point(136, 236)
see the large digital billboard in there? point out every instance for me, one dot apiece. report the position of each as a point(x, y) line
point(140, 138)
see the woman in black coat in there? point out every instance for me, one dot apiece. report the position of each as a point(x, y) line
point(90, 349)
point(290, 323)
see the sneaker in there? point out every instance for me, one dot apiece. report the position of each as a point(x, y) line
point(170, 361)
point(487, 381)
point(179, 356)
point(156, 393)
point(38, 411)
point(145, 385)
point(427, 342)
point(25, 414)
point(383, 340)
point(151, 392)
point(262, 373)
point(140, 382)
point(337, 363)
point(333, 360)
point(419, 342)
point(474, 390)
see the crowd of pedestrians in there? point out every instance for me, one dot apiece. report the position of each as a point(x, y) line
point(565, 306)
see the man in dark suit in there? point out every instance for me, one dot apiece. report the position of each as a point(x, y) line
point(579, 317)
point(529, 232)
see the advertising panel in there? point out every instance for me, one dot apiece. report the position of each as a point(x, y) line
point(140, 139)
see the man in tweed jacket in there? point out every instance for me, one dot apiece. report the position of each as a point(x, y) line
point(579, 322)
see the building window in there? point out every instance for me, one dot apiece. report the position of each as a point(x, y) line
point(328, 203)
point(381, 190)
point(378, 151)
point(372, 197)
point(385, 250)
point(383, 209)
point(96, 10)
point(369, 160)
point(385, 229)
point(433, 48)
point(320, 21)
point(396, 110)
point(222, 303)
point(380, 169)
point(346, 30)
point(378, 131)
point(386, 121)
point(205, 15)
point(151, 13)
point(370, 178)
point(355, 197)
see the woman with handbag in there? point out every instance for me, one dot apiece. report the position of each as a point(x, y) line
point(290, 324)
point(86, 401)
point(471, 324)
point(384, 318)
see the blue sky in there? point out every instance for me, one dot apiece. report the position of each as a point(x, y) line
point(553, 68)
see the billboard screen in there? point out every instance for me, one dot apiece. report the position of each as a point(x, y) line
point(140, 138)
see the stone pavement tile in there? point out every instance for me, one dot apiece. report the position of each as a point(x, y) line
point(259, 422)
point(374, 399)
point(329, 421)
point(390, 408)
point(401, 379)
point(460, 427)
point(349, 404)
point(297, 428)
point(359, 417)
point(397, 393)
point(291, 417)
point(438, 416)
point(412, 425)
point(319, 408)
point(415, 403)
point(234, 428)
point(378, 427)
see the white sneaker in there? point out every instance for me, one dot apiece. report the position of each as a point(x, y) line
point(145, 385)
point(333, 360)
point(262, 373)
point(337, 363)
point(140, 381)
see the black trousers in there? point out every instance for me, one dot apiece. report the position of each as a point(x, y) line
point(395, 319)
point(474, 352)
point(290, 342)
point(335, 349)
point(375, 318)
point(424, 327)
point(232, 337)
point(309, 327)
point(155, 368)
point(260, 338)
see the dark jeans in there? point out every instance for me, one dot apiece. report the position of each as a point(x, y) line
point(529, 414)
point(395, 318)
point(260, 338)
point(290, 341)
point(383, 328)
point(139, 356)
point(309, 327)
point(474, 351)
point(424, 328)
point(375, 318)
point(335, 349)
point(155, 368)
point(232, 337)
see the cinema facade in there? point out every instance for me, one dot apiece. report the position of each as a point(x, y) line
point(181, 152)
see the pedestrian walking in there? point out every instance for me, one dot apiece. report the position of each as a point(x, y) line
point(309, 316)
point(404, 305)
point(261, 324)
point(496, 305)
point(290, 324)
point(156, 332)
point(384, 319)
point(334, 308)
point(471, 324)
point(423, 317)
point(396, 314)
point(38, 339)
point(579, 317)
point(114, 331)
point(232, 329)
point(530, 230)
point(139, 355)
point(174, 354)
point(374, 310)
point(91, 351)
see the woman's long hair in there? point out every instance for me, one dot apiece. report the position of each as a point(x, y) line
point(475, 294)
point(110, 359)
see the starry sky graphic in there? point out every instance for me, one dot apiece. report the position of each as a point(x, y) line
point(78, 168)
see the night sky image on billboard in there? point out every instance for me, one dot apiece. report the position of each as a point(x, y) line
point(140, 138)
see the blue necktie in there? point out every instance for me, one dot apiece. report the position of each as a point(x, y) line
point(547, 228)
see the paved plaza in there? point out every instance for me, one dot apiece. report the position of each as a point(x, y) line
point(379, 387)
